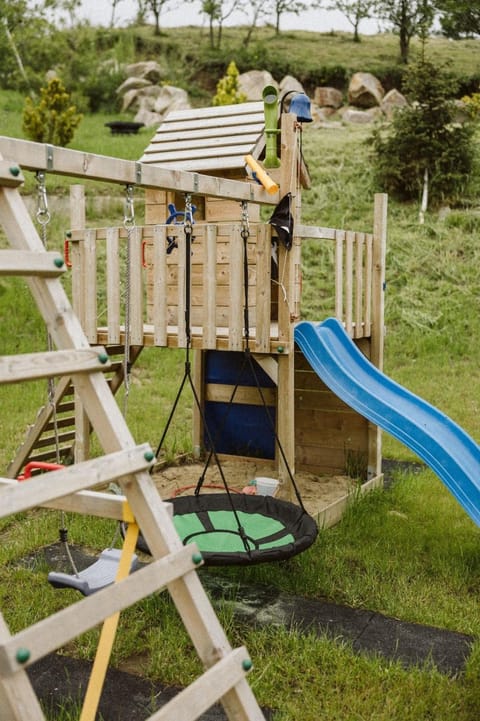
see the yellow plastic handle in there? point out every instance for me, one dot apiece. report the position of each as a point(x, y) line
point(263, 177)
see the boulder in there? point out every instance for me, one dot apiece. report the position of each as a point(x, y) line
point(354, 115)
point(148, 70)
point(289, 83)
point(252, 83)
point(326, 97)
point(171, 98)
point(365, 90)
point(392, 101)
point(132, 83)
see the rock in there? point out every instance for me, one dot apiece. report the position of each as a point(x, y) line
point(148, 70)
point(171, 98)
point(365, 90)
point(326, 97)
point(289, 83)
point(353, 115)
point(392, 101)
point(252, 83)
point(132, 83)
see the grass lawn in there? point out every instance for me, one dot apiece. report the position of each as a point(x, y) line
point(410, 552)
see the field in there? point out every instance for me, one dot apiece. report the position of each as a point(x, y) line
point(409, 552)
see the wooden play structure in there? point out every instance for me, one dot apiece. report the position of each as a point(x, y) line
point(208, 146)
point(197, 158)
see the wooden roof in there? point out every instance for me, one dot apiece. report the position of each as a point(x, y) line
point(208, 139)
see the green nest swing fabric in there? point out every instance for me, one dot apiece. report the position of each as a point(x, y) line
point(273, 530)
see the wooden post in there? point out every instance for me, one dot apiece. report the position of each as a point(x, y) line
point(378, 319)
point(287, 261)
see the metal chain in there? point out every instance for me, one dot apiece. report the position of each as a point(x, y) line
point(245, 220)
point(129, 225)
point(43, 219)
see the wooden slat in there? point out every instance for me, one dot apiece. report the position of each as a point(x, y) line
point(47, 486)
point(368, 284)
point(176, 143)
point(75, 163)
point(190, 703)
point(239, 110)
point(263, 283)
point(31, 366)
point(174, 133)
point(359, 260)
point(159, 280)
point(181, 292)
point(210, 287)
point(89, 285)
point(249, 395)
point(349, 242)
point(339, 286)
point(234, 160)
point(236, 295)
point(58, 629)
point(199, 154)
point(23, 262)
point(135, 273)
point(113, 285)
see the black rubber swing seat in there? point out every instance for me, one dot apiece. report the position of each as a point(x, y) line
point(95, 577)
point(272, 529)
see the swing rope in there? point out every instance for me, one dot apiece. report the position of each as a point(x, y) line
point(43, 218)
point(188, 231)
point(129, 225)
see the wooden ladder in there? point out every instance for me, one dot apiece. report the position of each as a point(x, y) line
point(173, 566)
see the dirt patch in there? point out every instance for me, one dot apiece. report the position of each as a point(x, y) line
point(317, 492)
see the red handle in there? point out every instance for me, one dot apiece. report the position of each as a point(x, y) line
point(37, 465)
point(66, 252)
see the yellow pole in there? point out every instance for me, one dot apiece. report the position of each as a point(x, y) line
point(109, 628)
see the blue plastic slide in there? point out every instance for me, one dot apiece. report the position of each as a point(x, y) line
point(433, 436)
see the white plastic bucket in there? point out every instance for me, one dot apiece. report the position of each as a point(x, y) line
point(266, 486)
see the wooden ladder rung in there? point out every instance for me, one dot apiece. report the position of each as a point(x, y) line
point(31, 366)
point(47, 264)
point(208, 689)
point(43, 488)
point(60, 628)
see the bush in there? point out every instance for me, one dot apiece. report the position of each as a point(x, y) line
point(227, 88)
point(53, 120)
point(425, 137)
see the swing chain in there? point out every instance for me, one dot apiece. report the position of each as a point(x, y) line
point(129, 213)
point(43, 213)
point(129, 225)
point(188, 218)
point(245, 232)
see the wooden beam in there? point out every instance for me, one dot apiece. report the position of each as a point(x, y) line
point(18, 262)
point(30, 366)
point(63, 161)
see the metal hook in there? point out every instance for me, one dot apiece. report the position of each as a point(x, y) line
point(129, 214)
point(43, 213)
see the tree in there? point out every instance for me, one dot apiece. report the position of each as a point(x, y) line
point(459, 18)
point(227, 88)
point(217, 12)
point(54, 119)
point(259, 10)
point(408, 18)
point(282, 7)
point(155, 7)
point(424, 150)
point(355, 11)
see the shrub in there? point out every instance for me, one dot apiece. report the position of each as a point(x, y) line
point(424, 137)
point(227, 88)
point(54, 119)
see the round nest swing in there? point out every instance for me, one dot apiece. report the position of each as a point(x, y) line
point(241, 529)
